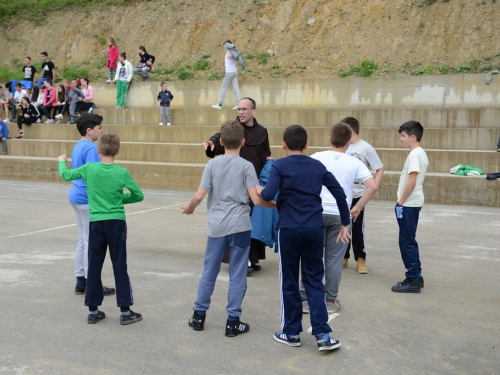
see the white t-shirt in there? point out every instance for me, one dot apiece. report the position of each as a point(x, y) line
point(415, 162)
point(346, 170)
point(18, 95)
point(230, 64)
point(367, 154)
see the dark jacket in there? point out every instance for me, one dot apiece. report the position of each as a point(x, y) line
point(166, 97)
point(256, 148)
point(146, 57)
point(31, 111)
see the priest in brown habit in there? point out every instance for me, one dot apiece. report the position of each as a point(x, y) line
point(257, 151)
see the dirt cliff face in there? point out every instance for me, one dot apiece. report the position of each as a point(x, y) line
point(305, 38)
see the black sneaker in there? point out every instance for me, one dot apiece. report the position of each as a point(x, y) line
point(325, 342)
point(407, 286)
point(236, 328)
point(108, 291)
point(94, 318)
point(250, 270)
point(420, 281)
point(81, 284)
point(131, 318)
point(290, 340)
point(197, 322)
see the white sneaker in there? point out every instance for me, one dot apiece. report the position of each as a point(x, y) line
point(109, 81)
point(6, 120)
point(59, 117)
point(168, 124)
point(217, 106)
point(235, 107)
point(161, 124)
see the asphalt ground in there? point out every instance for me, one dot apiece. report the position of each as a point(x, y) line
point(452, 327)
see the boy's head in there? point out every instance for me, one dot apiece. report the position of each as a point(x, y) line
point(89, 124)
point(295, 138)
point(340, 135)
point(27, 60)
point(108, 144)
point(352, 122)
point(164, 86)
point(74, 82)
point(44, 56)
point(232, 134)
point(18, 86)
point(411, 132)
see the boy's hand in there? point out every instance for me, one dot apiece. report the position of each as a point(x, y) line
point(355, 211)
point(207, 144)
point(62, 158)
point(3, 139)
point(259, 189)
point(185, 210)
point(344, 234)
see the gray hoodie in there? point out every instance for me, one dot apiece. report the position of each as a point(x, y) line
point(236, 54)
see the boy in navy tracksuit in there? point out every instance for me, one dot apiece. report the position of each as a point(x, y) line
point(299, 180)
point(164, 98)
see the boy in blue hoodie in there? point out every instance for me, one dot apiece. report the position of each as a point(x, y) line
point(4, 134)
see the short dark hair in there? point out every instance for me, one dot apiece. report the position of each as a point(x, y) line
point(254, 106)
point(108, 144)
point(163, 83)
point(341, 134)
point(45, 54)
point(352, 122)
point(27, 57)
point(412, 128)
point(87, 121)
point(228, 41)
point(295, 137)
point(231, 134)
point(18, 84)
point(142, 48)
point(124, 55)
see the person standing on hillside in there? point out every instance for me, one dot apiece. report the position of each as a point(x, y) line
point(48, 67)
point(365, 152)
point(29, 74)
point(231, 76)
point(257, 151)
point(112, 59)
point(124, 74)
point(145, 65)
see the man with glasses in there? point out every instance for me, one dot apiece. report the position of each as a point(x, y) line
point(257, 151)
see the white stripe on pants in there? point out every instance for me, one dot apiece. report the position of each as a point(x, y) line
point(82, 248)
point(228, 78)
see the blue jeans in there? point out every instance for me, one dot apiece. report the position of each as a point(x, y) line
point(407, 241)
point(302, 248)
point(239, 247)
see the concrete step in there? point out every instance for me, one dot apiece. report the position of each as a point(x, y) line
point(440, 161)
point(441, 91)
point(444, 139)
point(314, 117)
point(439, 188)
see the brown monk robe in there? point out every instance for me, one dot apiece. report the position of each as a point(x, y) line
point(256, 150)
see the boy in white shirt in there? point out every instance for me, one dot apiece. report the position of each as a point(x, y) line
point(15, 102)
point(365, 152)
point(409, 204)
point(346, 170)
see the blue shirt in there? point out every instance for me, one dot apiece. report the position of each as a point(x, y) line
point(299, 180)
point(4, 130)
point(84, 152)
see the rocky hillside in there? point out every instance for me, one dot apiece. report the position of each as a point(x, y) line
point(279, 38)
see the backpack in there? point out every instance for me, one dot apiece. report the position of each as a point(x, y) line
point(10, 85)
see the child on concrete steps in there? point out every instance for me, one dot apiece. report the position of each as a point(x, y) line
point(105, 182)
point(164, 98)
point(230, 181)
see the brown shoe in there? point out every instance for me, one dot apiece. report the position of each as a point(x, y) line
point(346, 261)
point(362, 265)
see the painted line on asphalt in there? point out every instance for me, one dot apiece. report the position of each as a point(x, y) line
point(72, 225)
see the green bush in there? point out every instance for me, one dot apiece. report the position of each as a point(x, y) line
point(184, 75)
point(73, 71)
point(201, 65)
point(6, 74)
point(366, 68)
point(263, 57)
